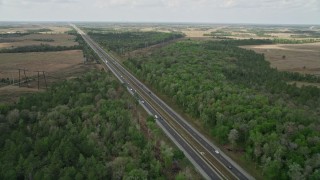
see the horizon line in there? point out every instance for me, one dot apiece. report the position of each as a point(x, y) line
point(156, 22)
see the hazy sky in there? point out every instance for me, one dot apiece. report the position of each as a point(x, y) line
point(211, 11)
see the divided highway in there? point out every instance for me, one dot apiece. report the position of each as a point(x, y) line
point(206, 157)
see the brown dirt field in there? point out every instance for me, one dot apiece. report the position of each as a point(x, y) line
point(59, 40)
point(59, 29)
point(302, 58)
point(154, 29)
point(196, 33)
point(191, 32)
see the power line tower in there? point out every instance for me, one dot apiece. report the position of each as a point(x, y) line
point(44, 77)
point(25, 76)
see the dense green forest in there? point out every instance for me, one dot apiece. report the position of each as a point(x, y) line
point(84, 128)
point(122, 42)
point(242, 102)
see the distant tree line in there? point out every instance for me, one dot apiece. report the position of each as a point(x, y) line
point(13, 35)
point(6, 40)
point(44, 40)
point(122, 42)
point(39, 48)
point(244, 42)
point(219, 33)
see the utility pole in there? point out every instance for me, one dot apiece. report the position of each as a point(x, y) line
point(38, 79)
point(19, 76)
point(12, 78)
point(24, 71)
point(45, 80)
point(25, 76)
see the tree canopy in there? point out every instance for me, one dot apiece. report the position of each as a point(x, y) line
point(241, 101)
point(78, 130)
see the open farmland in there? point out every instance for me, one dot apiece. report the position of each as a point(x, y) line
point(38, 39)
point(48, 61)
point(57, 66)
point(217, 31)
point(25, 28)
point(302, 58)
point(199, 32)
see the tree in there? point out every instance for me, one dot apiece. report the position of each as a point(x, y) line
point(315, 175)
point(136, 174)
point(178, 154)
point(233, 136)
point(272, 169)
point(118, 167)
point(13, 117)
point(221, 132)
point(295, 171)
point(180, 176)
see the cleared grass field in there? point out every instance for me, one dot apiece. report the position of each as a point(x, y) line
point(34, 61)
point(302, 58)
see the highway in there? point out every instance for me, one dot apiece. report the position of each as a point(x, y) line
point(207, 158)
